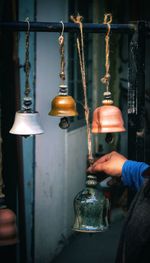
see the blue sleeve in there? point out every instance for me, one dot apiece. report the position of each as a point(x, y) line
point(132, 172)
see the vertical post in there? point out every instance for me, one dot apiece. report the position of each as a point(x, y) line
point(140, 149)
point(136, 93)
point(27, 9)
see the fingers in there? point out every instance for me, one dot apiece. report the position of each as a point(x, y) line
point(98, 166)
point(103, 159)
point(95, 168)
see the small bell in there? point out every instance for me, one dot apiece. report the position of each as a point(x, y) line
point(63, 105)
point(27, 122)
point(8, 227)
point(107, 118)
point(64, 123)
point(91, 208)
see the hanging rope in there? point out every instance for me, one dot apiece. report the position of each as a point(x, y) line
point(62, 52)
point(80, 47)
point(27, 63)
point(105, 80)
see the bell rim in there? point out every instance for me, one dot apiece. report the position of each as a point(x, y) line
point(90, 231)
point(63, 114)
point(26, 134)
point(108, 130)
point(27, 112)
point(9, 242)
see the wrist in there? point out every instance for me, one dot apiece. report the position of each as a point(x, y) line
point(132, 173)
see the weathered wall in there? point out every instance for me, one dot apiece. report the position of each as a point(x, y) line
point(60, 155)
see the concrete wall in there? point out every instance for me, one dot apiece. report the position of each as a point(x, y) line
point(60, 156)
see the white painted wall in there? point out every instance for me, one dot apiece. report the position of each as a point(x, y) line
point(60, 160)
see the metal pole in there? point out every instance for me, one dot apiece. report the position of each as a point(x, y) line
point(68, 27)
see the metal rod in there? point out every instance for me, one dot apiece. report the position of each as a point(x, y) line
point(68, 27)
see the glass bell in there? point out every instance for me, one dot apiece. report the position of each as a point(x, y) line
point(91, 208)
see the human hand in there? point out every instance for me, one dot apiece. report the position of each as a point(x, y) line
point(111, 164)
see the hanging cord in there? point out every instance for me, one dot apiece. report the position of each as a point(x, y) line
point(80, 47)
point(27, 63)
point(62, 52)
point(105, 80)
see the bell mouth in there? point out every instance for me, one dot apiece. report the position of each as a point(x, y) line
point(107, 129)
point(27, 111)
point(90, 229)
point(62, 113)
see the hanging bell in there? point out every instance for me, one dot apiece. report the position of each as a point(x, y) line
point(63, 105)
point(8, 228)
point(107, 118)
point(27, 122)
point(91, 208)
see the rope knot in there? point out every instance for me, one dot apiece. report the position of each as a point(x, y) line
point(77, 19)
point(61, 40)
point(107, 18)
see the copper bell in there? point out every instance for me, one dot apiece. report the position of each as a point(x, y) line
point(107, 118)
point(8, 228)
point(63, 105)
point(27, 121)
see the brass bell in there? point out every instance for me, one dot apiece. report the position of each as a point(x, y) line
point(63, 105)
point(107, 118)
point(27, 121)
point(91, 208)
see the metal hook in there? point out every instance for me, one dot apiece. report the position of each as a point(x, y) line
point(28, 22)
point(63, 27)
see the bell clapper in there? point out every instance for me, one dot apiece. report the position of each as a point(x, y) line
point(64, 123)
point(109, 138)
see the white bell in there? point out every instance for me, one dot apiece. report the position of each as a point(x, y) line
point(26, 124)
